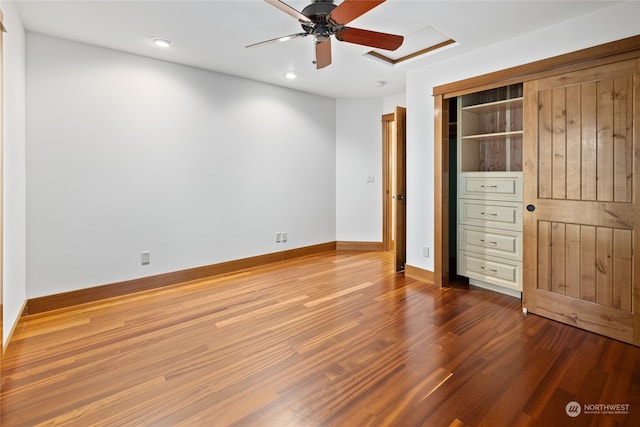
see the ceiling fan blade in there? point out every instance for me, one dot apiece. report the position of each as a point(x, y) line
point(349, 10)
point(370, 38)
point(289, 10)
point(279, 39)
point(323, 54)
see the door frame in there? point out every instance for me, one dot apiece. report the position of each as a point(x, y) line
point(598, 55)
point(2, 30)
point(387, 119)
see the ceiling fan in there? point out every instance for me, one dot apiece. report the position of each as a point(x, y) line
point(323, 19)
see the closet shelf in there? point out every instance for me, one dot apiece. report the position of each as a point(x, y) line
point(494, 107)
point(496, 135)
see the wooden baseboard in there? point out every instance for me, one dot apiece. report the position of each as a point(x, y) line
point(419, 274)
point(80, 296)
point(360, 246)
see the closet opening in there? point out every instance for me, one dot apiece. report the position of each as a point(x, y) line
point(453, 188)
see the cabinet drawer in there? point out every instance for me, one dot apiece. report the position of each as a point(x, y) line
point(493, 270)
point(503, 187)
point(506, 244)
point(501, 215)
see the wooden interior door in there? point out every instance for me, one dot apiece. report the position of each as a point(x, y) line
point(394, 185)
point(400, 188)
point(581, 194)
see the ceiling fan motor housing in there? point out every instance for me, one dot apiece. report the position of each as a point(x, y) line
point(317, 12)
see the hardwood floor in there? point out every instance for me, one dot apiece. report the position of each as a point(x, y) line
point(331, 339)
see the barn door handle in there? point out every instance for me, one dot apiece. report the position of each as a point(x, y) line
point(531, 208)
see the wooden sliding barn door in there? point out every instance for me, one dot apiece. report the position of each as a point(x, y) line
point(581, 197)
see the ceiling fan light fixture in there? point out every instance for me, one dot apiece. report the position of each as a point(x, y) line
point(321, 34)
point(161, 42)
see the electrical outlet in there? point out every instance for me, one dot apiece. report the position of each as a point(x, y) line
point(284, 236)
point(425, 251)
point(278, 237)
point(146, 257)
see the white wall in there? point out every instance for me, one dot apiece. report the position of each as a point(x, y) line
point(391, 102)
point(613, 23)
point(358, 156)
point(14, 282)
point(127, 154)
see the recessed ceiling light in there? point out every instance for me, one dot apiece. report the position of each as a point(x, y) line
point(160, 42)
point(291, 75)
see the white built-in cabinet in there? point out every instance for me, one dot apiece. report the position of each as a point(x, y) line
point(490, 188)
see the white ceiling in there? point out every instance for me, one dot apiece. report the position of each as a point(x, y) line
point(211, 34)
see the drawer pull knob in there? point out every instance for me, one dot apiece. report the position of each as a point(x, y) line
point(531, 208)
